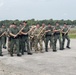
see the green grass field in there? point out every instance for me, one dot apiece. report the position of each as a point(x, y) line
point(73, 36)
point(72, 33)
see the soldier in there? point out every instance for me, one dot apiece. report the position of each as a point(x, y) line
point(50, 45)
point(25, 38)
point(9, 38)
point(14, 39)
point(1, 33)
point(48, 36)
point(65, 31)
point(4, 37)
point(57, 31)
point(38, 39)
point(43, 27)
point(20, 39)
point(32, 37)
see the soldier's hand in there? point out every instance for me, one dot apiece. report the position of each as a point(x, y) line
point(32, 36)
point(65, 33)
point(49, 30)
point(15, 36)
point(25, 34)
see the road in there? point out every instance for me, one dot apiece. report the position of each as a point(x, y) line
point(47, 63)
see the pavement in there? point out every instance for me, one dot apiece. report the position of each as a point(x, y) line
point(47, 63)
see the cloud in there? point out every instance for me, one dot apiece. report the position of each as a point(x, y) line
point(1, 4)
point(65, 14)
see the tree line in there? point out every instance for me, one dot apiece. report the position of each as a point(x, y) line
point(34, 22)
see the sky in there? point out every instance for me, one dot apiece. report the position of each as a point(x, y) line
point(37, 9)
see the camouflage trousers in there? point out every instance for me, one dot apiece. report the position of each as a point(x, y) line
point(31, 43)
point(37, 43)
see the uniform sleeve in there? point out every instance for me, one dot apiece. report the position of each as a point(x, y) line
point(1, 31)
point(10, 30)
point(46, 28)
point(28, 28)
point(59, 27)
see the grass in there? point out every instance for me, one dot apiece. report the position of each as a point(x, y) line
point(72, 34)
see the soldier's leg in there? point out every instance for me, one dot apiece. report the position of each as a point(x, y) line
point(68, 40)
point(31, 43)
point(63, 41)
point(44, 39)
point(11, 47)
point(23, 46)
point(8, 44)
point(50, 44)
point(36, 45)
point(60, 44)
point(46, 44)
point(55, 41)
point(27, 42)
point(17, 47)
point(1, 47)
point(14, 49)
point(25, 50)
point(41, 46)
point(4, 41)
point(20, 42)
point(51, 41)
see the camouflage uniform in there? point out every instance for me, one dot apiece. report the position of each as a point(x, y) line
point(31, 39)
point(43, 33)
point(38, 39)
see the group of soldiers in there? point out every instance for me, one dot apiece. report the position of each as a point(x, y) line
point(24, 38)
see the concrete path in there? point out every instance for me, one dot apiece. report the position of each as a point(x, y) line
point(48, 63)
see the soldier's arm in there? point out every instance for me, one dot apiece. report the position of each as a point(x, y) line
point(62, 30)
point(11, 34)
point(24, 33)
point(55, 30)
point(47, 30)
point(1, 32)
point(67, 31)
point(59, 30)
point(6, 32)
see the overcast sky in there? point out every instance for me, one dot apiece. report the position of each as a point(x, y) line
point(37, 9)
